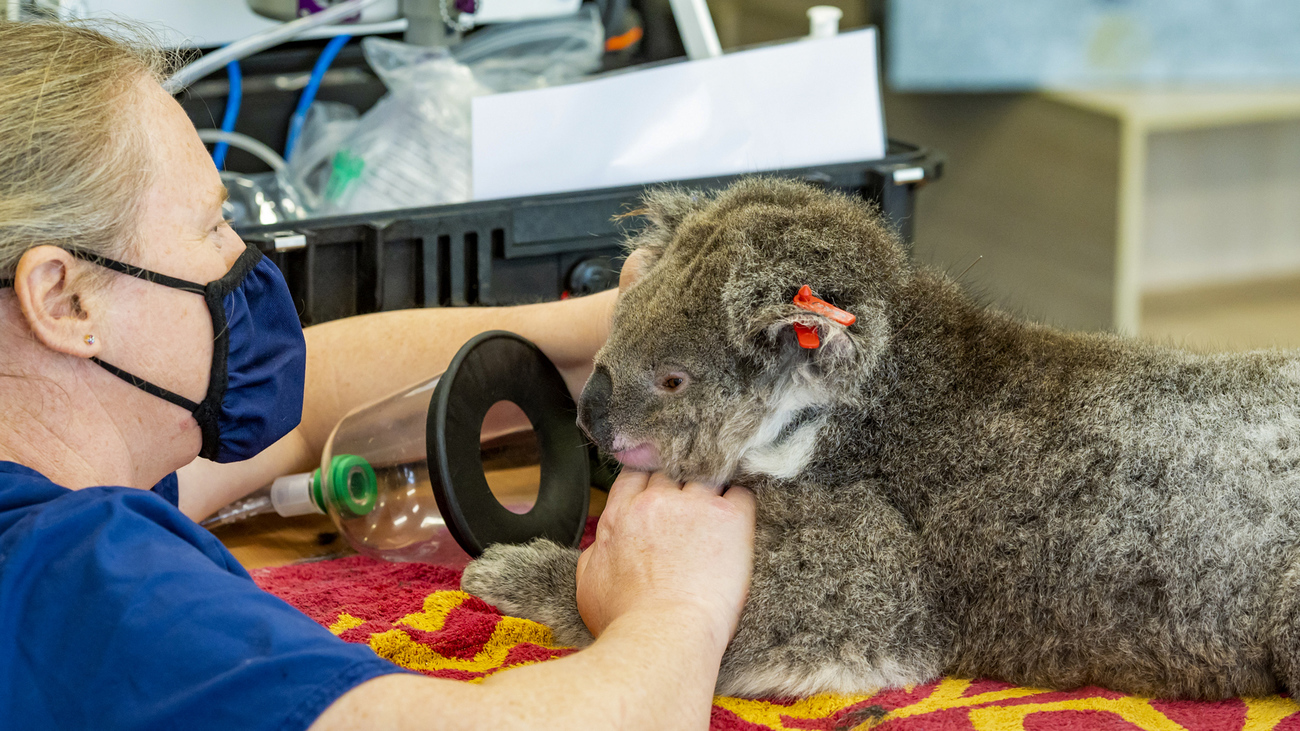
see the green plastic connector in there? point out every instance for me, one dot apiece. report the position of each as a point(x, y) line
point(354, 488)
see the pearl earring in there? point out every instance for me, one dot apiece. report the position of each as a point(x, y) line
point(90, 340)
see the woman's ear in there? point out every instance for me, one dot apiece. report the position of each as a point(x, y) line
point(54, 302)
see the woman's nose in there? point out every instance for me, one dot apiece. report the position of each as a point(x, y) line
point(231, 251)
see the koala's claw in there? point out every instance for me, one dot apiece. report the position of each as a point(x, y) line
point(536, 581)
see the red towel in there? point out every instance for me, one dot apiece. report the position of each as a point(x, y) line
point(415, 615)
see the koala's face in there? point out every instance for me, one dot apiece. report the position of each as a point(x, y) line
point(666, 392)
point(702, 371)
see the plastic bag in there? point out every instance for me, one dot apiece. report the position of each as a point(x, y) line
point(412, 148)
point(536, 54)
point(326, 126)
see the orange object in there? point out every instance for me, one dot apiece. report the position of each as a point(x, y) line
point(816, 305)
point(619, 42)
point(808, 336)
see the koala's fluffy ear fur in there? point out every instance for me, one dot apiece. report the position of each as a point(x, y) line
point(665, 209)
point(755, 244)
point(763, 328)
point(781, 236)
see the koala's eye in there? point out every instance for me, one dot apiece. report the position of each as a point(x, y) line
point(671, 383)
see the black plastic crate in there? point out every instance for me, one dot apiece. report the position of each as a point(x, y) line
point(517, 250)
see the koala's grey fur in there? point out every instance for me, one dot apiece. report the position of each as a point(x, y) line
point(539, 573)
point(943, 488)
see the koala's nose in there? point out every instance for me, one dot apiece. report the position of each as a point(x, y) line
point(593, 407)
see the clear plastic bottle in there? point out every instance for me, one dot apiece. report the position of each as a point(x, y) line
point(403, 476)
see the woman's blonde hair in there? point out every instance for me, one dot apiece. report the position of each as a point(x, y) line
point(72, 160)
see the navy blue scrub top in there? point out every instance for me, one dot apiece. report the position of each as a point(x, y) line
point(118, 612)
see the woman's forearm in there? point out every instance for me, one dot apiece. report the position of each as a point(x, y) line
point(649, 670)
point(361, 359)
point(205, 487)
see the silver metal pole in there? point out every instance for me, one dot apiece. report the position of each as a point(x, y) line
point(424, 24)
point(696, 26)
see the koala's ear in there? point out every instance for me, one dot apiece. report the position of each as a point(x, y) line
point(664, 209)
point(780, 335)
point(668, 207)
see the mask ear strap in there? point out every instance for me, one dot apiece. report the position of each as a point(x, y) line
point(137, 272)
point(148, 387)
point(163, 279)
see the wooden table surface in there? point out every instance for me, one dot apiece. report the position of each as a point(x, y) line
point(270, 540)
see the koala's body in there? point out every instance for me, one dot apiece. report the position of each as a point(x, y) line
point(941, 487)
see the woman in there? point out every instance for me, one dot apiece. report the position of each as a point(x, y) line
point(117, 275)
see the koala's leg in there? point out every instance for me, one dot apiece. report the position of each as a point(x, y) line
point(840, 601)
point(537, 581)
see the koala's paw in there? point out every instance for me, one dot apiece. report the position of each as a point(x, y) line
point(537, 581)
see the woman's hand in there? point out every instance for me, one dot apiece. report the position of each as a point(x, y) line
point(634, 267)
point(667, 546)
point(662, 587)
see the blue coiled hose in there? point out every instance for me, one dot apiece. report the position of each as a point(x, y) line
point(326, 58)
point(232, 111)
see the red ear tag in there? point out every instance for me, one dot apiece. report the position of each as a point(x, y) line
point(808, 337)
point(805, 300)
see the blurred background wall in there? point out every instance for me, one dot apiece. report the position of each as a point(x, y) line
point(1124, 165)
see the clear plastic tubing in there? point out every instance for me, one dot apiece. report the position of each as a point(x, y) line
point(246, 47)
point(245, 143)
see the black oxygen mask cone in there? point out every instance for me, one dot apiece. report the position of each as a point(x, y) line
point(403, 475)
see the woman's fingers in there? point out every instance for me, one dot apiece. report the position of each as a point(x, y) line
point(741, 497)
point(627, 485)
point(703, 488)
point(660, 481)
point(583, 558)
point(662, 542)
point(633, 267)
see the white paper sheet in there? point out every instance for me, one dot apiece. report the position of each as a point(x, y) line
point(805, 103)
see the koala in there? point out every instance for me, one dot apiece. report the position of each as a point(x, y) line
point(942, 488)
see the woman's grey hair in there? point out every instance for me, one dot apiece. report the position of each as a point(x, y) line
point(73, 159)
